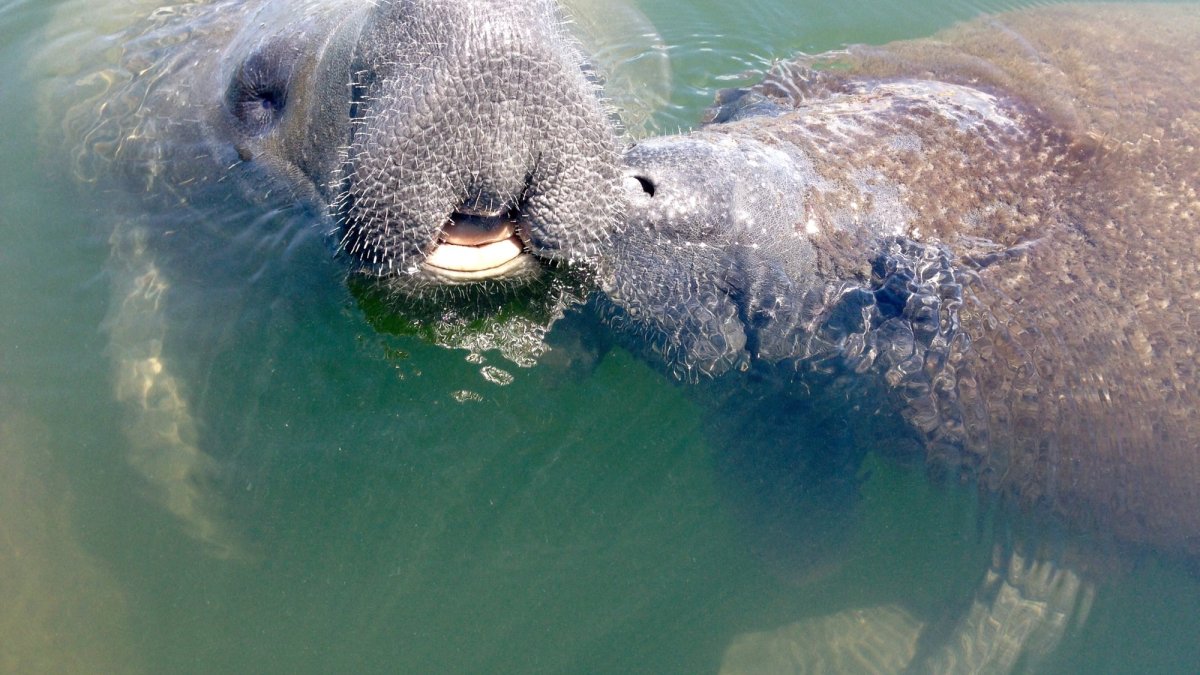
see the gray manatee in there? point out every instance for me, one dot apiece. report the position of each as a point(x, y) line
point(409, 124)
point(442, 149)
point(983, 245)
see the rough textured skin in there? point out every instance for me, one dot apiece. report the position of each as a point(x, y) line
point(486, 108)
point(381, 119)
point(994, 231)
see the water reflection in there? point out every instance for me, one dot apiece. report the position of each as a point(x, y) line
point(418, 509)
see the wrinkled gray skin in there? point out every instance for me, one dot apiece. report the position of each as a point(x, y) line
point(389, 117)
point(227, 136)
point(483, 110)
point(981, 246)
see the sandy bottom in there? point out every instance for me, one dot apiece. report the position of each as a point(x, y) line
point(62, 612)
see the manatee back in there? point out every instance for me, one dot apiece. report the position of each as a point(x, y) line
point(1120, 70)
point(1092, 375)
point(1078, 391)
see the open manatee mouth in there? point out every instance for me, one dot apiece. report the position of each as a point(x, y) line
point(478, 245)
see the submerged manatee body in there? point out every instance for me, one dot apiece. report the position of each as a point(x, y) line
point(442, 149)
point(984, 245)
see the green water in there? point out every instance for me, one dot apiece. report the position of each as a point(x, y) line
point(401, 509)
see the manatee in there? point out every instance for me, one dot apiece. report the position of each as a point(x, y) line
point(63, 610)
point(443, 152)
point(979, 249)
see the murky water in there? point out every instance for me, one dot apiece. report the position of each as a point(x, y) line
point(404, 508)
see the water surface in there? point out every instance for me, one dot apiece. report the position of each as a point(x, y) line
point(408, 508)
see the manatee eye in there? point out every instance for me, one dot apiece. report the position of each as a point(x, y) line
point(258, 94)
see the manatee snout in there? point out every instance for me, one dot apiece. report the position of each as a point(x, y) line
point(716, 189)
point(450, 141)
point(477, 146)
point(687, 271)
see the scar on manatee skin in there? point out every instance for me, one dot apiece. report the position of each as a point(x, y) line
point(1017, 252)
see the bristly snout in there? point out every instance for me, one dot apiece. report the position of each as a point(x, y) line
point(478, 145)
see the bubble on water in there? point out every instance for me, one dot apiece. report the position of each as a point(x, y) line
point(496, 375)
point(466, 396)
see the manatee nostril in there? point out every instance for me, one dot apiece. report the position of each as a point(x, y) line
point(647, 185)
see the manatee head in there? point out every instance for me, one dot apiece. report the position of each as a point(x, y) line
point(449, 142)
point(713, 233)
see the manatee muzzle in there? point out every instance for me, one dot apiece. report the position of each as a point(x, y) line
point(478, 148)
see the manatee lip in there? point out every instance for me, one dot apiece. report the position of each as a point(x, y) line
point(467, 229)
point(476, 246)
